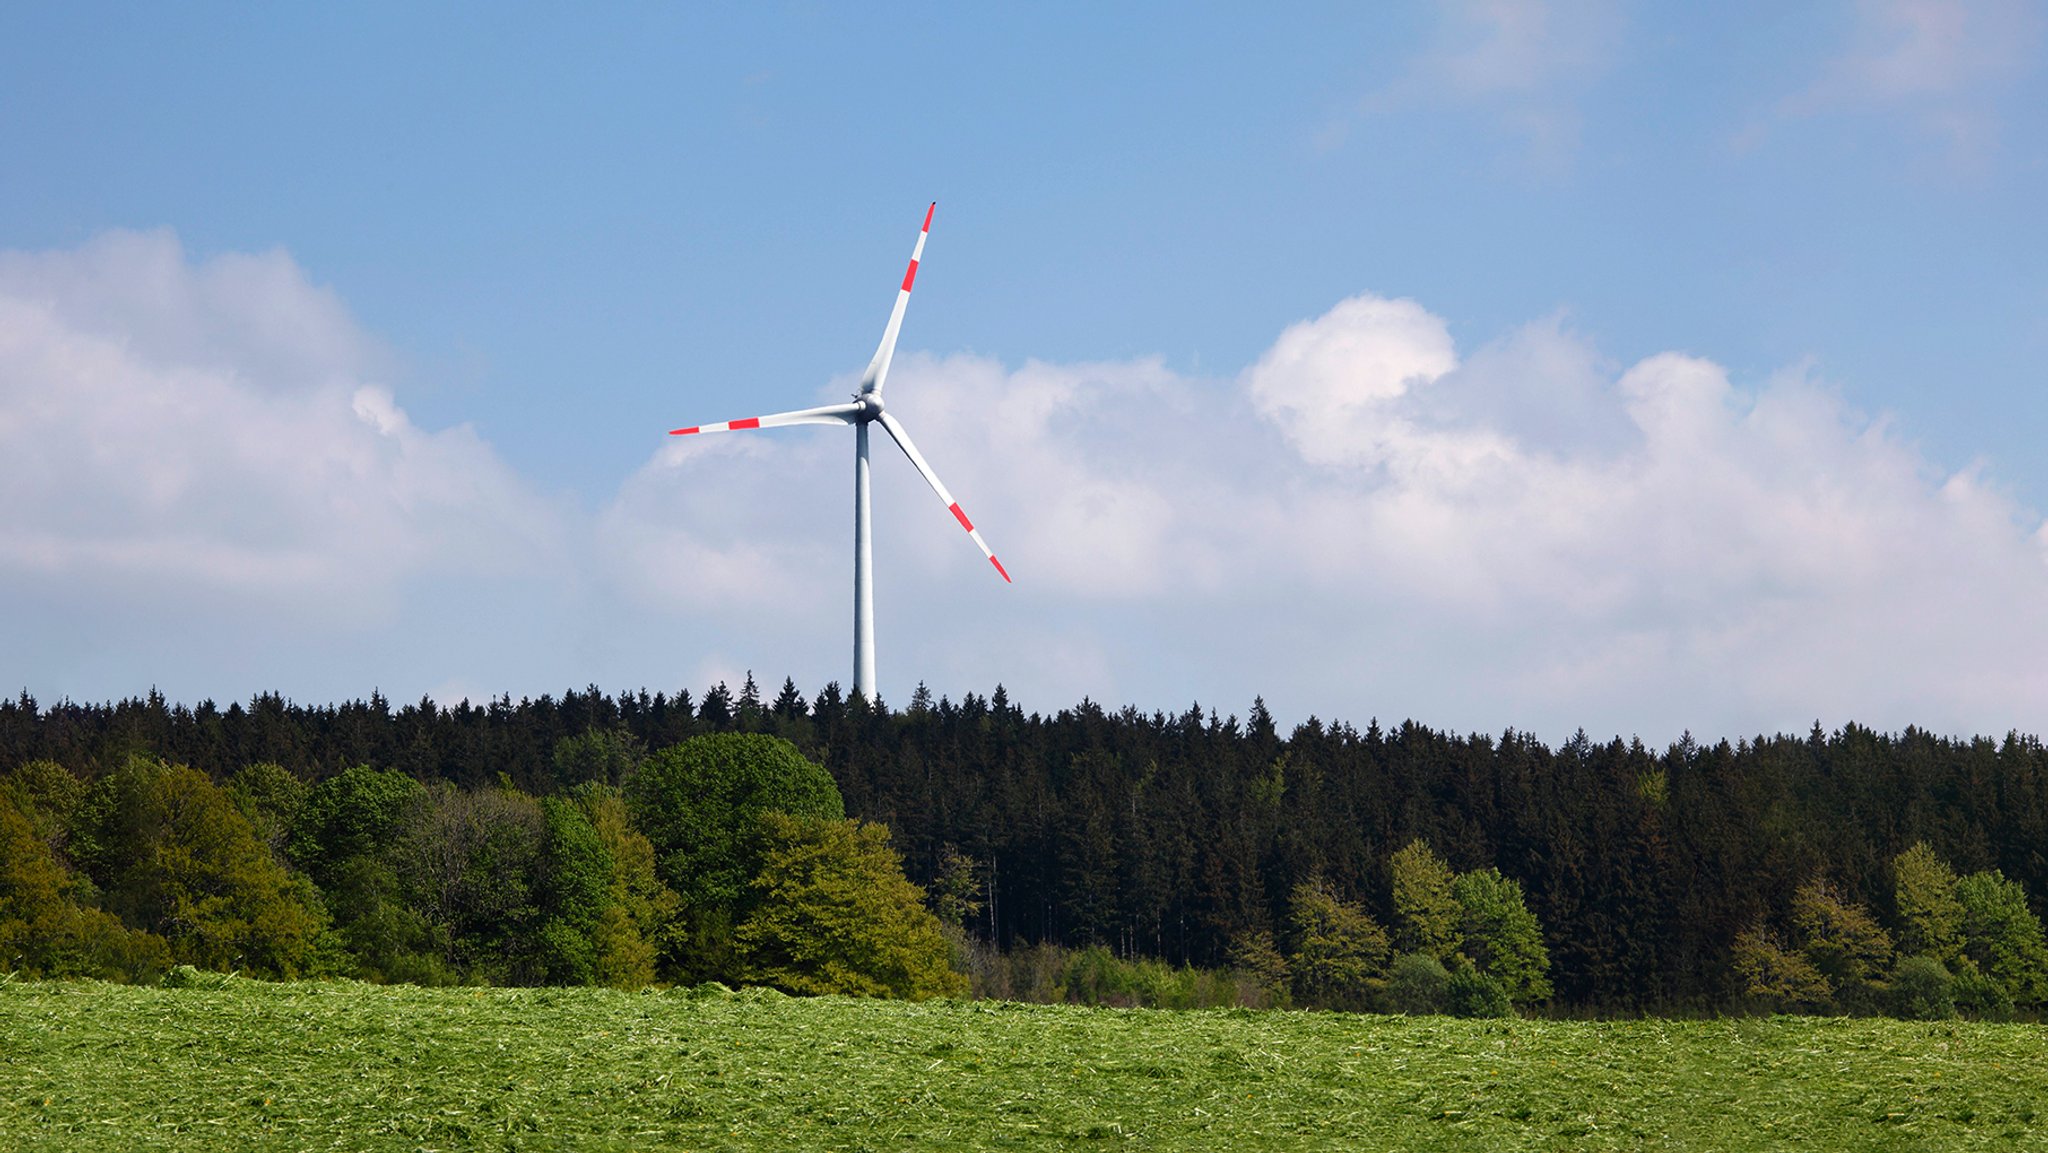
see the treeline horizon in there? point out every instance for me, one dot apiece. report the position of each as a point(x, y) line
point(1174, 836)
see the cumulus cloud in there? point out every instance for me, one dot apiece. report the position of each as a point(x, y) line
point(1367, 520)
point(208, 439)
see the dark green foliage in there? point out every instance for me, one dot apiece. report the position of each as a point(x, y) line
point(270, 797)
point(48, 927)
point(356, 813)
point(1418, 984)
point(1978, 995)
point(1471, 992)
point(173, 856)
point(833, 913)
point(471, 864)
point(701, 802)
point(1922, 990)
point(600, 756)
point(1174, 834)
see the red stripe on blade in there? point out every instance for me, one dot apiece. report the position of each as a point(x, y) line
point(961, 517)
point(999, 568)
point(750, 422)
point(928, 217)
point(909, 276)
point(681, 431)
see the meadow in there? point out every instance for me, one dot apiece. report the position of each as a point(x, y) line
point(234, 1063)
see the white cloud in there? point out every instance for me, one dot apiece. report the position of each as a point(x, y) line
point(1942, 66)
point(1366, 521)
point(180, 434)
point(1525, 64)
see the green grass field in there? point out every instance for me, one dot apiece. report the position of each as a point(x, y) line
point(344, 1066)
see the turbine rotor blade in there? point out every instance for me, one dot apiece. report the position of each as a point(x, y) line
point(878, 368)
point(828, 414)
point(902, 439)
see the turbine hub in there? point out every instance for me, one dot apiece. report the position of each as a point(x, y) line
point(870, 405)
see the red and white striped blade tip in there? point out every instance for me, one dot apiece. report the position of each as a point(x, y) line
point(999, 568)
point(928, 217)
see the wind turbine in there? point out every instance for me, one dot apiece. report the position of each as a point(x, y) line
point(863, 410)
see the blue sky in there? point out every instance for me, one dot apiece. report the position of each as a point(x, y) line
point(1177, 256)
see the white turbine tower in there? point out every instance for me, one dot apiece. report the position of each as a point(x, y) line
point(863, 410)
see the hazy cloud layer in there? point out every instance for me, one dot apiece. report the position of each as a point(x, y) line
point(206, 486)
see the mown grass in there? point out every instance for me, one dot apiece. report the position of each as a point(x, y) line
point(344, 1066)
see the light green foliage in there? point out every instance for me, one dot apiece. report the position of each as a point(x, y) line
point(262, 1067)
point(1502, 936)
point(955, 890)
point(834, 914)
point(640, 917)
point(1930, 913)
point(46, 927)
point(700, 803)
point(1339, 954)
point(47, 794)
point(1782, 978)
point(1417, 984)
point(1843, 941)
point(2003, 936)
point(1257, 960)
point(1426, 914)
point(174, 856)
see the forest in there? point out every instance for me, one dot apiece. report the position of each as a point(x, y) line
point(1834, 871)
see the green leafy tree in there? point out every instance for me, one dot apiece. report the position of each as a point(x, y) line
point(835, 914)
point(1339, 956)
point(1501, 935)
point(270, 797)
point(1930, 912)
point(641, 915)
point(574, 882)
point(1781, 977)
point(1472, 992)
point(1922, 990)
point(346, 833)
point(358, 812)
point(46, 928)
point(175, 857)
point(2003, 936)
point(1845, 944)
point(1417, 984)
point(701, 804)
point(1426, 913)
point(471, 863)
point(1257, 959)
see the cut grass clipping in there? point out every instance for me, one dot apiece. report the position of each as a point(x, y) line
point(249, 1065)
